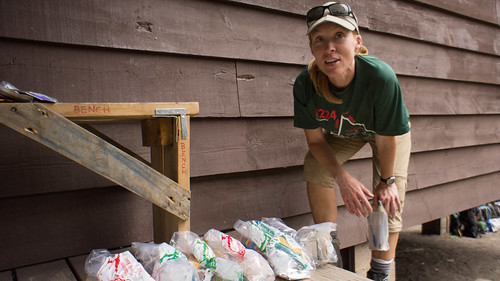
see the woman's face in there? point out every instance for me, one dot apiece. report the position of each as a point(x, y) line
point(334, 47)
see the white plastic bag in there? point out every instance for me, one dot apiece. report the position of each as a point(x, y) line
point(316, 239)
point(149, 254)
point(103, 266)
point(255, 267)
point(192, 246)
point(176, 270)
point(285, 255)
point(378, 229)
point(164, 262)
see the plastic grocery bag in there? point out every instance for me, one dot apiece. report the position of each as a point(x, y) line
point(280, 225)
point(378, 229)
point(287, 258)
point(192, 246)
point(149, 254)
point(176, 270)
point(103, 266)
point(316, 239)
point(254, 265)
point(164, 262)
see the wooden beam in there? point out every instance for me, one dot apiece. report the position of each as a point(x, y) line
point(106, 112)
point(171, 158)
point(46, 126)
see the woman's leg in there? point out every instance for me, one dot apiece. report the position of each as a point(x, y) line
point(323, 202)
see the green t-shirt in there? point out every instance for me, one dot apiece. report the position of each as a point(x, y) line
point(372, 103)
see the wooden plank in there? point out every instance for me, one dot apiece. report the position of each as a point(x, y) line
point(485, 10)
point(118, 112)
point(220, 146)
point(99, 75)
point(259, 90)
point(432, 61)
point(266, 90)
point(172, 160)
point(440, 167)
point(57, 225)
point(421, 22)
point(329, 271)
point(56, 271)
point(235, 145)
point(442, 200)
point(252, 145)
point(408, 20)
point(425, 96)
point(6, 276)
point(51, 129)
point(78, 266)
point(221, 30)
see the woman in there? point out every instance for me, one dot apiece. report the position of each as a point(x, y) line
point(343, 100)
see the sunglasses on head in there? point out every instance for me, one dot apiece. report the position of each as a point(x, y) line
point(335, 9)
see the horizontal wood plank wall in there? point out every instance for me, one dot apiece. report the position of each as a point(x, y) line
point(238, 59)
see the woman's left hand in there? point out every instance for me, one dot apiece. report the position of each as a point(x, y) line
point(388, 195)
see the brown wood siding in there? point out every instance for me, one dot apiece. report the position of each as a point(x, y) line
point(239, 60)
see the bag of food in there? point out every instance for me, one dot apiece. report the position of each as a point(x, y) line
point(103, 266)
point(316, 239)
point(254, 265)
point(287, 258)
point(192, 246)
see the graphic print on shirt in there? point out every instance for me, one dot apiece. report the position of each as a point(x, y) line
point(343, 126)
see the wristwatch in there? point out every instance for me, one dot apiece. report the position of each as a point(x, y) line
point(389, 180)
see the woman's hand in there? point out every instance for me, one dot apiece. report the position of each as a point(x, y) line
point(354, 194)
point(388, 195)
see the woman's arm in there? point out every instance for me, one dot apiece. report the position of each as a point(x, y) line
point(353, 192)
point(387, 194)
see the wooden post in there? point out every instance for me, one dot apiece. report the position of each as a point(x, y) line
point(171, 158)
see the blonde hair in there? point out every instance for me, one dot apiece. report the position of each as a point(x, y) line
point(321, 82)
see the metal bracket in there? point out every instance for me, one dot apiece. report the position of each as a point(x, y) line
point(174, 112)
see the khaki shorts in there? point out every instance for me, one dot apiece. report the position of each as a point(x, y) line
point(345, 148)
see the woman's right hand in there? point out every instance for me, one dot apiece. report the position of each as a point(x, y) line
point(354, 194)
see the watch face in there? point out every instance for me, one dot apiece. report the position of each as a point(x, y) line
point(389, 180)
